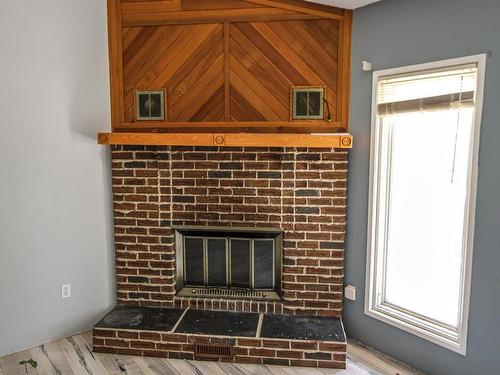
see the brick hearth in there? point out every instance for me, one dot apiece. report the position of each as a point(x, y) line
point(252, 338)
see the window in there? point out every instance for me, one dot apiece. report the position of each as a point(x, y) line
point(425, 136)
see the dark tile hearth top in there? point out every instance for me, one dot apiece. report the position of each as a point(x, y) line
point(297, 327)
point(141, 318)
point(224, 323)
point(221, 323)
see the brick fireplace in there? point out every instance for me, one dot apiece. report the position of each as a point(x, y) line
point(299, 193)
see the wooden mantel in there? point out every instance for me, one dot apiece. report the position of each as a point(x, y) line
point(333, 140)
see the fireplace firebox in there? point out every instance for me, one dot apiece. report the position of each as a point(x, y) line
point(228, 262)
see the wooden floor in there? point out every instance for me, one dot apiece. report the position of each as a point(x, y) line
point(73, 356)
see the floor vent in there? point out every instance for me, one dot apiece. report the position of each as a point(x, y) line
point(213, 351)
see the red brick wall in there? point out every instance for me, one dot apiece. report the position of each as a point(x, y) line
point(301, 191)
point(307, 353)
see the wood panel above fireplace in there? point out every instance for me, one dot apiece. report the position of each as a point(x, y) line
point(228, 65)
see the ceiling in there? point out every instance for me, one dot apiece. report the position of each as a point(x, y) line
point(349, 4)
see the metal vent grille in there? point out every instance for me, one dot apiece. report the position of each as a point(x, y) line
point(307, 103)
point(228, 292)
point(150, 105)
point(213, 351)
point(265, 295)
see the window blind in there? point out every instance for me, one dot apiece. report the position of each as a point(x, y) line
point(436, 89)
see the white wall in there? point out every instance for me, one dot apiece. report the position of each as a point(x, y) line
point(55, 194)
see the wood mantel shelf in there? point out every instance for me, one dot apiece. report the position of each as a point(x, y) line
point(315, 140)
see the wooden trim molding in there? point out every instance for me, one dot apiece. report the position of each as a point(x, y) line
point(296, 126)
point(303, 7)
point(212, 16)
point(343, 140)
point(164, 12)
point(115, 65)
point(151, 6)
point(344, 92)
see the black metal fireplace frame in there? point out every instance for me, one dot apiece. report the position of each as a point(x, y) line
point(228, 233)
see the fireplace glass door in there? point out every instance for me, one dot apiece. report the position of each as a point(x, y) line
point(228, 264)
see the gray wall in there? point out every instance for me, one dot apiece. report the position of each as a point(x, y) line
point(403, 32)
point(55, 209)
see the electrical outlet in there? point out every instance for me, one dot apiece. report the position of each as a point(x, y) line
point(65, 291)
point(350, 292)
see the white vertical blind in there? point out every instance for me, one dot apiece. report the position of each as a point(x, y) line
point(427, 191)
point(428, 90)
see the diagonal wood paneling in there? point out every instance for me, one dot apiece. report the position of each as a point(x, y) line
point(267, 58)
point(186, 60)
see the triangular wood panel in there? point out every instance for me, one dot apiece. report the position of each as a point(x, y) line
point(268, 58)
point(185, 60)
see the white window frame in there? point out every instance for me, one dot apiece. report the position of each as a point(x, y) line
point(455, 340)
